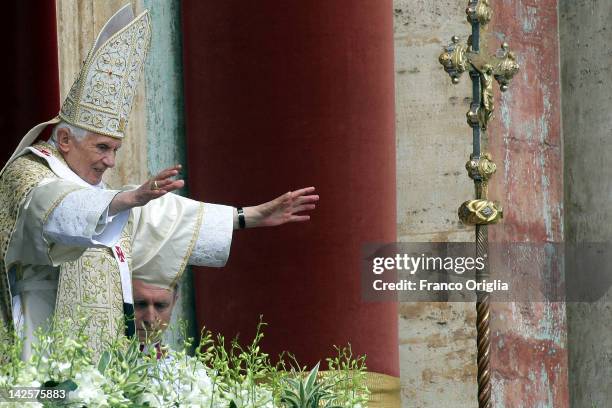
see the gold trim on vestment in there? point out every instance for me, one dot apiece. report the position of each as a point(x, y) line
point(91, 282)
point(16, 182)
point(58, 156)
point(192, 244)
point(90, 287)
point(58, 201)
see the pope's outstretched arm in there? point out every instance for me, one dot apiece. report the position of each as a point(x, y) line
point(167, 225)
point(174, 231)
point(89, 217)
point(281, 210)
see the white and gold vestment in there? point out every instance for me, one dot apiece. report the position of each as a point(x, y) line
point(59, 256)
point(59, 249)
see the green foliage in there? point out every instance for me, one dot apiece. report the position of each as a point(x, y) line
point(343, 385)
point(349, 378)
point(307, 392)
point(124, 366)
point(219, 375)
point(238, 373)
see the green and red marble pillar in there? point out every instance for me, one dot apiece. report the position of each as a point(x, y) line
point(529, 339)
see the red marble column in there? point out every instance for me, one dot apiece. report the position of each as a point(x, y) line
point(280, 95)
point(29, 71)
point(529, 354)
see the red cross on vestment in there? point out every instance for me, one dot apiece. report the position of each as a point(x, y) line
point(120, 253)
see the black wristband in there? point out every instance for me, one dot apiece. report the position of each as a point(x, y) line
point(241, 219)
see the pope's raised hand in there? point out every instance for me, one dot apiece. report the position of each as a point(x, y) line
point(155, 187)
point(283, 209)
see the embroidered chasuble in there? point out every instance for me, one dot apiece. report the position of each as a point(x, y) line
point(61, 251)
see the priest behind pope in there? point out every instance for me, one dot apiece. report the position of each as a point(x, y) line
point(67, 243)
point(153, 307)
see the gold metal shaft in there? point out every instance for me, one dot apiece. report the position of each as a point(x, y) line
point(480, 212)
point(483, 324)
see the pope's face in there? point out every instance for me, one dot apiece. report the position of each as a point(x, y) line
point(90, 157)
point(152, 309)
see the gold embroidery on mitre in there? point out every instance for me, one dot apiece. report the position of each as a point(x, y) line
point(101, 98)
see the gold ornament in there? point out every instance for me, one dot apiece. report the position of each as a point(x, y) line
point(454, 59)
point(479, 11)
point(502, 67)
point(481, 168)
point(480, 212)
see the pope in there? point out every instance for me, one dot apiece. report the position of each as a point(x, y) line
point(68, 245)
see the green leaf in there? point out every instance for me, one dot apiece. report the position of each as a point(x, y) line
point(312, 377)
point(232, 404)
point(67, 385)
point(105, 359)
point(302, 393)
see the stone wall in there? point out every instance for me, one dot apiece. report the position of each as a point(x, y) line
point(437, 340)
point(586, 68)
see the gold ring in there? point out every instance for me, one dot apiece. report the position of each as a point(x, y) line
point(154, 185)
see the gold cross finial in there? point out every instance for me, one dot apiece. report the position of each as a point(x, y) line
point(502, 66)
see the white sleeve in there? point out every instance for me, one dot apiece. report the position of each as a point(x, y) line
point(173, 231)
point(214, 240)
point(81, 219)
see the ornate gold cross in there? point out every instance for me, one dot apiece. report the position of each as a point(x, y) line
point(483, 68)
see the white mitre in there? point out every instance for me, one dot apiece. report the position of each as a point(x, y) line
point(102, 96)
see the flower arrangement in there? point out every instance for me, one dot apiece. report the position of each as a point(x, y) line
point(217, 375)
